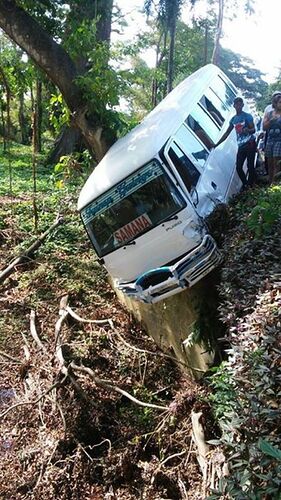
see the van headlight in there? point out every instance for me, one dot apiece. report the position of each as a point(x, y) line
point(194, 230)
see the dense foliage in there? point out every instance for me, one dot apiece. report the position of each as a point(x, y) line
point(246, 388)
point(93, 78)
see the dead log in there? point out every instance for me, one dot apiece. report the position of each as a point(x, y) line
point(29, 252)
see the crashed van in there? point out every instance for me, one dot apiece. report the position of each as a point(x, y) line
point(144, 205)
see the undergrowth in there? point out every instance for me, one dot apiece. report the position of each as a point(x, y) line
point(71, 446)
point(111, 447)
point(246, 393)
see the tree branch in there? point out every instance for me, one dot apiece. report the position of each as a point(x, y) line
point(107, 385)
point(29, 251)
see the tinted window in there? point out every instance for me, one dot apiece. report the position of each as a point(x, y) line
point(192, 145)
point(187, 171)
point(223, 91)
point(203, 126)
point(214, 107)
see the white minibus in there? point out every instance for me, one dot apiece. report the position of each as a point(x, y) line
point(144, 205)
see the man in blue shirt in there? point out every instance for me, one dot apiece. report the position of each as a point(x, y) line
point(245, 130)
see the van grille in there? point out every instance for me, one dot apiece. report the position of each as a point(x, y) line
point(153, 278)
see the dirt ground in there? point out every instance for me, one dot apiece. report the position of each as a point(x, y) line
point(70, 435)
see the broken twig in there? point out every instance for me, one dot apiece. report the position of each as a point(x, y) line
point(29, 251)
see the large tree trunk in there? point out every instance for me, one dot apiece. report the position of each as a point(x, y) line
point(215, 56)
point(59, 67)
point(23, 125)
point(160, 54)
point(8, 102)
point(69, 140)
point(170, 70)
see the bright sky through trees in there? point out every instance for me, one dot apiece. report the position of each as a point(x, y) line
point(256, 36)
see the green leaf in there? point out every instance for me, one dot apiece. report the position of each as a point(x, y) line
point(59, 184)
point(268, 449)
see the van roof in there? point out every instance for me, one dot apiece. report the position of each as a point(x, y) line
point(144, 142)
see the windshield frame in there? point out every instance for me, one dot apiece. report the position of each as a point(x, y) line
point(109, 192)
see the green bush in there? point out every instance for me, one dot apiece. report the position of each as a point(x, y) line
point(266, 211)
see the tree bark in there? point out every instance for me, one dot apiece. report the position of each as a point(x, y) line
point(8, 102)
point(160, 54)
point(21, 119)
point(170, 71)
point(69, 140)
point(55, 62)
point(206, 35)
point(215, 56)
point(37, 144)
point(4, 128)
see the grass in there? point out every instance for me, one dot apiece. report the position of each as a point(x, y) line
point(19, 159)
point(65, 265)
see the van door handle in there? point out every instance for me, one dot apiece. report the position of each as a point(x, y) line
point(214, 186)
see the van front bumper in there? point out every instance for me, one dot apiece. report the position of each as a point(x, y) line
point(158, 284)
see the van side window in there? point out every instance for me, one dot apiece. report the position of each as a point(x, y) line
point(203, 126)
point(187, 171)
point(190, 143)
point(223, 91)
point(214, 107)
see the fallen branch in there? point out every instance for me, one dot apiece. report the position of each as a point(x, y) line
point(26, 348)
point(30, 250)
point(36, 401)
point(63, 312)
point(107, 385)
point(34, 333)
point(165, 461)
point(83, 320)
point(99, 444)
point(203, 449)
point(6, 355)
point(172, 456)
point(145, 351)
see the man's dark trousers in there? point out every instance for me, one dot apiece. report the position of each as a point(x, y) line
point(247, 151)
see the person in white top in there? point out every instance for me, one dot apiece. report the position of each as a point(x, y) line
point(269, 107)
point(272, 125)
point(264, 135)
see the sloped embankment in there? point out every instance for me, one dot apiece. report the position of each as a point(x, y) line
point(247, 393)
point(67, 434)
point(72, 440)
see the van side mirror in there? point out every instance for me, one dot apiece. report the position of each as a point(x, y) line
point(194, 196)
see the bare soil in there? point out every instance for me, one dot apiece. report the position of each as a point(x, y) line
point(85, 441)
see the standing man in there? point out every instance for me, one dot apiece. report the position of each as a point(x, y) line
point(245, 130)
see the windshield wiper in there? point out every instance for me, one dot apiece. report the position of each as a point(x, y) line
point(173, 217)
point(129, 243)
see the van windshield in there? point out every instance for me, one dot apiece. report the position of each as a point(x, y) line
point(135, 205)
